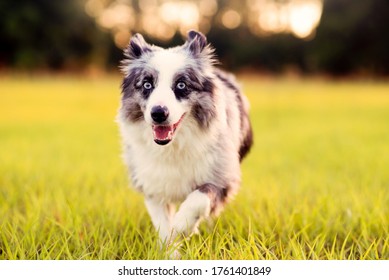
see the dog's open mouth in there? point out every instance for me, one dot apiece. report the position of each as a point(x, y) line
point(163, 134)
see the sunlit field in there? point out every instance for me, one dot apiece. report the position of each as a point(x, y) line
point(315, 185)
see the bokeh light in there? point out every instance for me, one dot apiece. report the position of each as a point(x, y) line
point(299, 17)
point(231, 19)
point(162, 19)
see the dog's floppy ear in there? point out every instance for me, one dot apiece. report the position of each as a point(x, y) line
point(196, 42)
point(137, 47)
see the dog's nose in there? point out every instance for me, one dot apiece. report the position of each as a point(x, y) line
point(159, 114)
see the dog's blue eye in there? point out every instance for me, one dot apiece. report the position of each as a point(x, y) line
point(181, 85)
point(147, 85)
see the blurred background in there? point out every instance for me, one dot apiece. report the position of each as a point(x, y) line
point(332, 37)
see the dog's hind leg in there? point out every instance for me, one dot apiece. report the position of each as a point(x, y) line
point(161, 216)
point(198, 205)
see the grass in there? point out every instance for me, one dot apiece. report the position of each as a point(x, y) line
point(315, 186)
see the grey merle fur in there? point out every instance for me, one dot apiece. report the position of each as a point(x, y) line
point(247, 141)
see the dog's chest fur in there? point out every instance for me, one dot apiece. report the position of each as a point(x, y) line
point(170, 173)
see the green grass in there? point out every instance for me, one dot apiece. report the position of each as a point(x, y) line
point(315, 186)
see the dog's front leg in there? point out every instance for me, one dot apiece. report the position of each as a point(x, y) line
point(162, 216)
point(197, 205)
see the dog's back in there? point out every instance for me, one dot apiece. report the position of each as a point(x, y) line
point(245, 131)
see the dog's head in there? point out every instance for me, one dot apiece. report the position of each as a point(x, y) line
point(166, 87)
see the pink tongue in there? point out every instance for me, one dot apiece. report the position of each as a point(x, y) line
point(162, 132)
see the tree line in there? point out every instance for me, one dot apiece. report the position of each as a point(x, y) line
point(58, 35)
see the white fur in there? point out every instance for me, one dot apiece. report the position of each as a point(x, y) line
point(163, 95)
point(162, 217)
point(195, 207)
point(168, 173)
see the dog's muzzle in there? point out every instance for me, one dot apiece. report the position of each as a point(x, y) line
point(163, 133)
point(159, 114)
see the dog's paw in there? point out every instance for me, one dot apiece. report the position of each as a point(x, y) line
point(165, 235)
point(192, 210)
point(182, 225)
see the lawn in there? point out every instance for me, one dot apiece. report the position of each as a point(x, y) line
point(315, 185)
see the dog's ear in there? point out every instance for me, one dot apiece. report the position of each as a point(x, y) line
point(137, 47)
point(196, 42)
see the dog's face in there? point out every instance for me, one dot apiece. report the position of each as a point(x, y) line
point(165, 87)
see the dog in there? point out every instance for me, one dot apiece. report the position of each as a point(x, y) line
point(185, 129)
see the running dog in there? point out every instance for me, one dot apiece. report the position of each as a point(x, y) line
point(185, 128)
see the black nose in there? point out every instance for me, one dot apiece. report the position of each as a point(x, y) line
point(159, 114)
